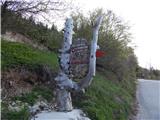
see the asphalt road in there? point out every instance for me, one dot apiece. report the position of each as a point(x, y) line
point(148, 96)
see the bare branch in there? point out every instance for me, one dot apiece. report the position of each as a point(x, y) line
point(36, 6)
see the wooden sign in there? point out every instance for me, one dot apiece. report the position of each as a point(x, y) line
point(79, 58)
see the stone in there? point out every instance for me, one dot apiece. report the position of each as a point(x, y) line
point(15, 108)
point(39, 106)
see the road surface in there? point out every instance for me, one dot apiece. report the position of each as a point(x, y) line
point(148, 96)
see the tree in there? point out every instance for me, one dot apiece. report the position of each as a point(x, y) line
point(40, 10)
point(33, 7)
point(65, 84)
point(114, 37)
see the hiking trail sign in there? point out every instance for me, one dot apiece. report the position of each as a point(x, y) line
point(79, 59)
point(77, 64)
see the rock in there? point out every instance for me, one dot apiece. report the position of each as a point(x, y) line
point(15, 108)
point(34, 109)
point(43, 106)
point(54, 115)
point(26, 104)
point(39, 106)
point(18, 102)
point(16, 105)
point(13, 103)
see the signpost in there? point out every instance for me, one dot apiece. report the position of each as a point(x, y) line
point(77, 61)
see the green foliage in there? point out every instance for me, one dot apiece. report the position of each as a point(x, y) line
point(151, 73)
point(23, 114)
point(114, 37)
point(111, 94)
point(32, 97)
point(36, 31)
point(82, 27)
point(46, 93)
point(27, 98)
point(18, 55)
point(106, 99)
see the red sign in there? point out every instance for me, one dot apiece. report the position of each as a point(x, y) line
point(100, 53)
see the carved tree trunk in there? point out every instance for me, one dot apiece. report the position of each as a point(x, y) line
point(64, 84)
point(92, 62)
point(64, 102)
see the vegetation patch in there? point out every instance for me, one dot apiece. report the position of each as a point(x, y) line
point(37, 92)
point(20, 109)
point(18, 54)
point(151, 73)
point(109, 97)
point(106, 99)
point(7, 114)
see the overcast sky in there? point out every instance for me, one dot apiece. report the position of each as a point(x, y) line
point(143, 17)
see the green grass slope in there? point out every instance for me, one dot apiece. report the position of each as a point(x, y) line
point(21, 55)
point(105, 99)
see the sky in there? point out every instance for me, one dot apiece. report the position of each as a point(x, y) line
point(143, 17)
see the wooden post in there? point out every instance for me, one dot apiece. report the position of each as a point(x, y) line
point(92, 62)
point(64, 84)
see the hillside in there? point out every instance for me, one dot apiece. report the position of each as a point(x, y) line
point(28, 73)
point(19, 54)
point(27, 76)
point(106, 98)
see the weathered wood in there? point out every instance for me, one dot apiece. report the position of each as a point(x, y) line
point(68, 57)
point(63, 97)
point(92, 61)
point(79, 59)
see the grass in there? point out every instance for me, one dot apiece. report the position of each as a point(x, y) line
point(106, 100)
point(21, 55)
point(32, 97)
point(17, 55)
point(23, 114)
point(29, 98)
